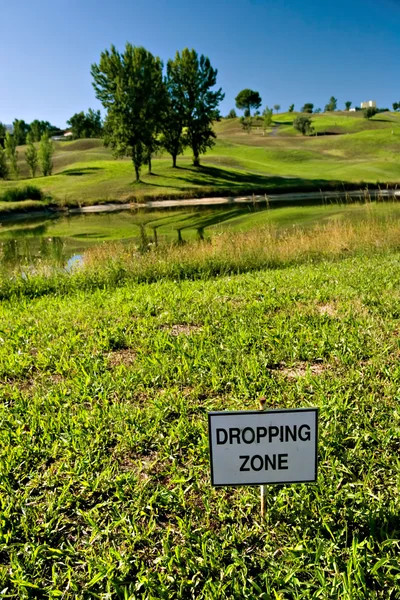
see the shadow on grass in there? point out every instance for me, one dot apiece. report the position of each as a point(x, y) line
point(80, 172)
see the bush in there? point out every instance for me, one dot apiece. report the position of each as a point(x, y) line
point(370, 112)
point(29, 192)
point(304, 125)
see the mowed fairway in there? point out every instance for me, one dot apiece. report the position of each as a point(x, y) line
point(348, 149)
point(104, 466)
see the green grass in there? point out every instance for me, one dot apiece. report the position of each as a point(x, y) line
point(349, 150)
point(104, 467)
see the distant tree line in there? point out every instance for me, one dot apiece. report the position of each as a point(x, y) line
point(36, 156)
point(149, 109)
point(20, 130)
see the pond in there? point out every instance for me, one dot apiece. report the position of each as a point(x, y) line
point(63, 238)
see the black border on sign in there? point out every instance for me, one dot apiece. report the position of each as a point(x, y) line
point(219, 413)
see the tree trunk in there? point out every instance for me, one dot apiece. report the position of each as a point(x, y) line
point(149, 163)
point(196, 159)
point(137, 172)
point(174, 160)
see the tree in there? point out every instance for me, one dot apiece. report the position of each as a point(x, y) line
point(3, 132)
point(231, 114)
point(46, 150)
point(20, 130)
point(130, 87)
point(87, 125)
point(303, 124)
point(3, 164)
point(317, 111)
point(194, 78)
point(291, 108)
point(332, 104)
point(396, 106)
point(267, 114)
point(173, 138)
point(31, 155)
point(11, 153)
point(347, 105)
point(248, 99)
point(277, 107)
point(247, 123)
point(307, 108)
point(369, 112)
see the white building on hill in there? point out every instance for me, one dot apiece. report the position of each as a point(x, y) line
point(369, 104)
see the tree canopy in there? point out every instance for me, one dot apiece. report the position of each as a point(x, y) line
point(194, 79)
point(303, 124)
point(332, 104)
point(131, 89)
point(87, 125)
point(248, 99)
point(307, 108)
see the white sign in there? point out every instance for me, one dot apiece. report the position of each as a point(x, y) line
point(259, 447)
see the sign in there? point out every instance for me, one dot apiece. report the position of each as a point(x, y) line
point(260, 447)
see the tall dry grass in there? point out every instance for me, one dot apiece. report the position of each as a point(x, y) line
point(260, 248)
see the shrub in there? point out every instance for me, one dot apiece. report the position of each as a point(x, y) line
point(304, 125)
point(370, 112)
point(28, 192)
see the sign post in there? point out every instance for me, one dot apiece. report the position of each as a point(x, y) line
point(261, 447)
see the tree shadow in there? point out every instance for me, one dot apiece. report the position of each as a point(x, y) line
point(80, 172)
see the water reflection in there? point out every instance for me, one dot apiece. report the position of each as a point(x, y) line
point(24, 250)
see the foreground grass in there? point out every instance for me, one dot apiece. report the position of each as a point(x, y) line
point(104, 474)
point(348, 151)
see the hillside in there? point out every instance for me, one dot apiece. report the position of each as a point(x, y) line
point(347, 149)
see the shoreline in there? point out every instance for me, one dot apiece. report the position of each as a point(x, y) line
point(288, 198)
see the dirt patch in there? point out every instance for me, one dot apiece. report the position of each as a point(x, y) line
point(181, 329)
point(328, 309)
point(301, 369)
point(126, 357)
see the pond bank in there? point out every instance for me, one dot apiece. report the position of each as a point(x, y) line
point(284, 199)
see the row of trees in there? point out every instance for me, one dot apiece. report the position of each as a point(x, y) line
point(86, 125)
point(250, 99)
point(35, 157)
point(147, 109)
point(21, 129)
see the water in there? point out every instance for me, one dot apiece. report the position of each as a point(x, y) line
point(63, 239)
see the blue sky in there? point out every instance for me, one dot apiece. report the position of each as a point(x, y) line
point(289, 50)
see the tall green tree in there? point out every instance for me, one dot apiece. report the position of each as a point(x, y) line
point(31, 155)
point(248, 99)
point(267, 116)
point(291, 108)
point(347, 104)
point(131, 89)
point(195, 79)
point(332, 104)
point(87, 125)
point(3, 164)
point(277, 107)
point(396, 105)
point(12, 154)
point(173, 138)
point(20, 130)
point(46, 150)
point(3, 132)
point(38, 128)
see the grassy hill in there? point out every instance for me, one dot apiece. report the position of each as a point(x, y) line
point(347, 148)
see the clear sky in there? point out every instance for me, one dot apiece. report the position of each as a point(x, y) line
point(291, 51)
